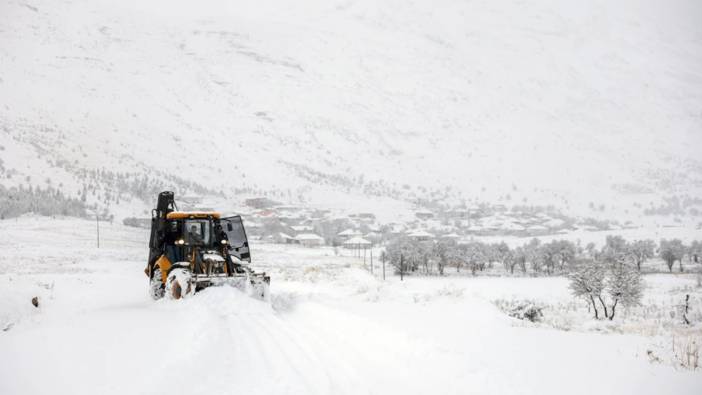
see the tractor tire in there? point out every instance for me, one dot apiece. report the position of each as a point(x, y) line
point(156, 286)
point(179, 283)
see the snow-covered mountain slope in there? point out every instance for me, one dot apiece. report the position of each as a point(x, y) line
point(357, 104)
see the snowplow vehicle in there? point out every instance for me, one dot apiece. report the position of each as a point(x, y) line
point(192, 250)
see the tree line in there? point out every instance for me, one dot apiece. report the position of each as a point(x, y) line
point(15, 201)
point(534, 257)
point(606, 278)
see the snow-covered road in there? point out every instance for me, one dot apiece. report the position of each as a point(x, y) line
point(330, 328)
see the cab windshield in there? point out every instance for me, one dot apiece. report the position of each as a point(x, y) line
point(197, 232)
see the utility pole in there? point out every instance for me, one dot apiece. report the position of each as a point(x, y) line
point(401, 266)
point(97, 223)
point(382, 259)
point(371, 258)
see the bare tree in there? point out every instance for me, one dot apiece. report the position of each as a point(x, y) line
point(519, 258)
point(406, 250)
point(611, 287)
point(503, 254)
point(615, 251)
point(641, 250)
point(623, 287)
point(533, 254)
point(567, 251)
point(446, 252)
point(591, 251)
point(671, 251)
point(548, 254)
point(473, 255)
point(587, 282)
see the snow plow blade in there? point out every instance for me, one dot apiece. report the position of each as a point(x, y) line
point(253, 284)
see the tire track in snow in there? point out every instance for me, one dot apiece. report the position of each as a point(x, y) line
point(285, 368)
point(266, 352)
point(298, 352)
point(231, 343)
point(331, 361)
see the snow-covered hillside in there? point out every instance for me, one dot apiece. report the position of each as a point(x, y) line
point(359, 104)
point(331, 328)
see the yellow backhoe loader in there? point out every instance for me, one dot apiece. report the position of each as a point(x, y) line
point(192, 250)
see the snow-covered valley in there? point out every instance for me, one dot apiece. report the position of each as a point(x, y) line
point(330, 327)
point(529, 172)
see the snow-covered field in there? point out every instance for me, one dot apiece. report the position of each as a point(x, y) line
point(329, 328)
point(557, 102)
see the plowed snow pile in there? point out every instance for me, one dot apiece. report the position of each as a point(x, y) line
point(330, 328)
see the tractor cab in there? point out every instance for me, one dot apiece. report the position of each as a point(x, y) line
point(203, 230)
point(191, 229)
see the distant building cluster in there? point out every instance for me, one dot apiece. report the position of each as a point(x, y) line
point(275, 222)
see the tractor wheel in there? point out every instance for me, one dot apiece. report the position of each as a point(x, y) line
point(156, 287)
point(179, 283)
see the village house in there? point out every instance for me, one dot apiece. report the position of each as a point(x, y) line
point(260, 202)
point(451, 236)
point(348, 234)
point(302, 229)
point(310, 240)
point(283, 238)
point(420, 235)
point(424, 214)
point(357, 243)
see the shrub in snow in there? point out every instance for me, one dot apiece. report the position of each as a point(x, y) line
point(523, 310)
point(652, 357)
point(450, 290)
point(528, 312)
point(686, 353)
